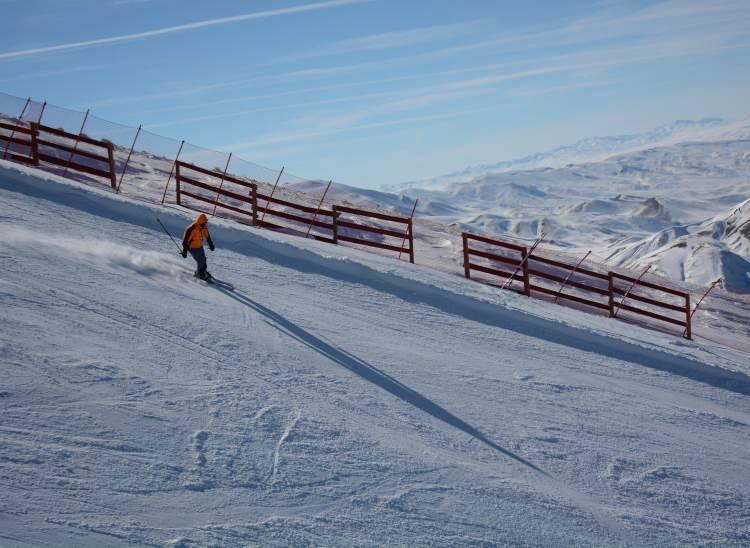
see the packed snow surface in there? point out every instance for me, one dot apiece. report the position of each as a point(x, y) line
point(335, 398)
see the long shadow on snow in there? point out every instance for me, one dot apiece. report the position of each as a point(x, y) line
point(370, 373)
point(498, 316)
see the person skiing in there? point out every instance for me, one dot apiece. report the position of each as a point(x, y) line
point(192, 241)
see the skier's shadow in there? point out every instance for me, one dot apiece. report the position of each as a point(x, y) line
point(370, 373)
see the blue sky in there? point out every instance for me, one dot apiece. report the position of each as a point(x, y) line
point(381, 91)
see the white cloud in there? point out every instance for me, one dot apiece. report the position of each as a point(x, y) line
point(389, 40)
point(666, 29)
point(128, 2)
point(423, 96)
point(274, 139)
point(181, 28)
point(53, 72)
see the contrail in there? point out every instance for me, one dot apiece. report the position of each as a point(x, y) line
point(180, 28)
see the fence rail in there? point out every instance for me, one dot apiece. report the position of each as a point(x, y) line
point(405, 235)
point(636, 283)
point(516, 276)
point(37, 130)
point(13, 139)
point(309, 222)
point(182, 179)
point(532, 278)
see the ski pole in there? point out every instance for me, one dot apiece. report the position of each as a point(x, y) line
point(168, 234)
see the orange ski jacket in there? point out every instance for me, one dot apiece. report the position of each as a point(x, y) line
point(195, 233)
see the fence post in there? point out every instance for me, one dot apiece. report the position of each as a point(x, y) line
point(254, 198)
point(688, 333)
point(221, 184)
point(335, 225)
point(525, 266)
point(112, 174)
point(320, 204)
point(125, 168)
point(177, 182)
point(34, 128)
point(35, 134)
point(41, 114)
point(75, 146)
point(467, 268)
point(611, 276)
point(409, 234)
point(268, 202)
point(174, 164)
point(688, 329)
point(20, 120)
point(411, 241)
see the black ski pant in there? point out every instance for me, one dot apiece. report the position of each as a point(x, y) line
point(200, 258)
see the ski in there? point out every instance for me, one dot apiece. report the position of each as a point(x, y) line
point(221, 283)
point(213, 281)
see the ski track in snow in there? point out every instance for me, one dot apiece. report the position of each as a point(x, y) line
point(331, 399)
point(277, 453)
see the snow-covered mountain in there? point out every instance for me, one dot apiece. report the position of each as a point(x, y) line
point(593, 149)
point(337, 397)
point(699, 253)
point(625, 208)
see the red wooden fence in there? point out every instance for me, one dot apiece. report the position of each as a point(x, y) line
point(586, 281)
point(26, 138)
point(682, 306)
point(582, 279)
point(183, 176)
point(407, 233)
point(59, 144)
point(312, 220)
point(494, 257)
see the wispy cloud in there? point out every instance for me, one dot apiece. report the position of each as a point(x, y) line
point(547, 89)
point(53, 72)
point(390, 102)
point(666, 29)
point(720, 18)
point(389, 40)
point(168, 94)
point(182, 28)
point(274, 139)
point(128, 2)
point(720, 21)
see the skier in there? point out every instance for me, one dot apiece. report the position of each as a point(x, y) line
point(193, 241)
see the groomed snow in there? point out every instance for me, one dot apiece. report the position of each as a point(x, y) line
point(335, 398)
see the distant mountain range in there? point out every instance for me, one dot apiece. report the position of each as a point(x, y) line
point(594, 149)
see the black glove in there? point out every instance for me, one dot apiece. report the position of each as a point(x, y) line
point(184, 253)
point(211, 247)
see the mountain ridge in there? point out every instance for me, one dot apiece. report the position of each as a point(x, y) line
point(593, 149)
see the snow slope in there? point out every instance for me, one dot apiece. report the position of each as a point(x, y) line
point(335, 398)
